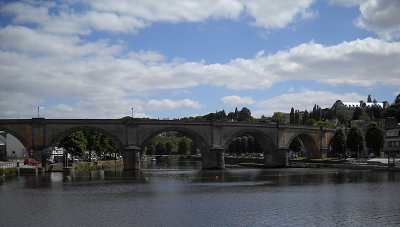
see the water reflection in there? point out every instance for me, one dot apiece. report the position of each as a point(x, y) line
point(179, 193)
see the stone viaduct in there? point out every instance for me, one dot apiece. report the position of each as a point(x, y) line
point(211, 137)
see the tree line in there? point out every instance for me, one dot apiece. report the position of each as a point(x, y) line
point(78, 142)
point(355, 141)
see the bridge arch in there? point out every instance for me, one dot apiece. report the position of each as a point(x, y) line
point(56, 139)
point(310, 144)
point(20, 138)
point(197, 138)
point(263, 139)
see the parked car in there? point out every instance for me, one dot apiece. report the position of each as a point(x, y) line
point(30, 161)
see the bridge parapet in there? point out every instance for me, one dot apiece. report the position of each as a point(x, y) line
point(212, 137)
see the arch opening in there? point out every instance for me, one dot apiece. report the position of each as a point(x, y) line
point(195, 143)
point(88, 143)
point(260, 144)
point(309, 146)
point(15, 146)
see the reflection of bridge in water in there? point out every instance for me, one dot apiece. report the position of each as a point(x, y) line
point(211, 137)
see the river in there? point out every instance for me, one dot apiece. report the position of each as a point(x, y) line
point(179, 193)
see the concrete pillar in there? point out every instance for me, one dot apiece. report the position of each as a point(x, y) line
point(324, 152)
point(276, 158)
point(215, 159)
point(131, 158)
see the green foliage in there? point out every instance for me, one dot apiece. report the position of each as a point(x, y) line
point(193, 147)
point(392, 111)
point(183, 146)
point(297, 117)
point(330, 114)
point(339, 142)
point(245, 115)
point(168, 147)
point(278, 117)
point(397, 99)
point(78, 142)
point(8, 171)
point(357, 113)
point(160, 148)
point(369, 98)
point(296, 145)
point(375, 137)
point(244, 144)
point(151, 148)
point(310, 121)
point(305, 117)
point(292, 120)
point(355, 139)
point(74, 143)
point(317, 113)
point(324, 123)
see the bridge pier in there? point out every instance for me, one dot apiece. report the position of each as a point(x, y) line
point(277, 158)
point(131, 158)
point(215, 159)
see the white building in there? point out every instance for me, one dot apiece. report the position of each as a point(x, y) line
point(14, 148)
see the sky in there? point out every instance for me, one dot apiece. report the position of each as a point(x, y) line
point(101, 59)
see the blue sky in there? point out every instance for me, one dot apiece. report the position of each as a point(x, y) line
point(174, 59)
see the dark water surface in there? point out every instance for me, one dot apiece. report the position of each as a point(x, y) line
point(181, 194)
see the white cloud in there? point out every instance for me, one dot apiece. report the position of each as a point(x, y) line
point(167, 104)
point(278, 14)
point(381, 17)
point(235, 100)
point(130, 16)
point(92, 72)
point(346, 3)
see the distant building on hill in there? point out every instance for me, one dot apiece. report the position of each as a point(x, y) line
point(348, 107)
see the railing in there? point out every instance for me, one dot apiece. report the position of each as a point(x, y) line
point(6, 165)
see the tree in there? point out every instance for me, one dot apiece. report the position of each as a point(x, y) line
point(330, 114)
point(245, 114)
point(93, 141)
point(297, 117)
point(184, 146)
point(392, 111)
point(369, 98)
point(231, 115)
point(376, 112)
point(323, 123)
point(310, 121)
point(375, 137)
point(316, 114)
point(341, 116)
point(151, 148)
point(160, 148)
point(168, 147)
point(305, 117)
point(193, 147)
point(237, 145)
point(339, 142)
point(243, 144)
point(278, 117)
point(296, 145)
point(397, 99)
point(357, 113)
point(291, 116)
point(355, 139)
point(74, 143)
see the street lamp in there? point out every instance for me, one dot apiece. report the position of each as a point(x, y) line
point(358, 150)
point(132, 112)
